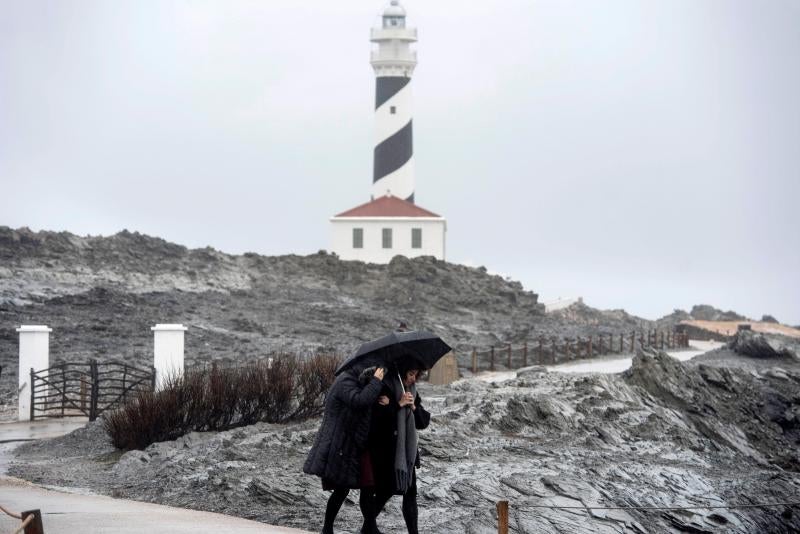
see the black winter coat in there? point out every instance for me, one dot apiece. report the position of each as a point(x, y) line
point(342, 436)
point(382, 442)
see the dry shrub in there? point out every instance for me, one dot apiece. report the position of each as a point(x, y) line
point(314, 378)
point(149, 417)
point(282, 389)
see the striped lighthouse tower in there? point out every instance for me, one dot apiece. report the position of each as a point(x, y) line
point(394, 62)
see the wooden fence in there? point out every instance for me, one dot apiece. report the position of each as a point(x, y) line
point(553, 350)
point(85, 389)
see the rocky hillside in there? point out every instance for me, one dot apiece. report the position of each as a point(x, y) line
point(101, 295)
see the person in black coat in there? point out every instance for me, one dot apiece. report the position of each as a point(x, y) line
point(340, 443)
point(393, 446)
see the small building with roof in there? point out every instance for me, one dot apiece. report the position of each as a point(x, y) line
point(385, 227)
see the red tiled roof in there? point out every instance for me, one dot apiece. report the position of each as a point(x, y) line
point(388, 206)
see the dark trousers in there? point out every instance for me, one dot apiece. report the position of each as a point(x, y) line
point(335, 502)
point(410, 511)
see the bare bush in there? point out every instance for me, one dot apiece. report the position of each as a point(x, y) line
point(314, 378)
point(219, 398)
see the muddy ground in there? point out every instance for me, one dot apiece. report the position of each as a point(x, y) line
point(720, 430)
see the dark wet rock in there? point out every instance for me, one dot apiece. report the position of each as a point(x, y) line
point(759, 345)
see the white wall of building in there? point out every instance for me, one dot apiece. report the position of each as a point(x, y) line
point(433, 237)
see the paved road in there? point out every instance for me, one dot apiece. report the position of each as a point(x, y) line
point(69, 513)
point(40, 429)
point(612, 364)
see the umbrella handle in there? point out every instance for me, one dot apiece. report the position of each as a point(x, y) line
point(403, 387)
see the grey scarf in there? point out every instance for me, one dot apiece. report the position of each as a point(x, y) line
point(405, 455)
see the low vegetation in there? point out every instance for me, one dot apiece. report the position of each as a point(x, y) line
point(282, 389)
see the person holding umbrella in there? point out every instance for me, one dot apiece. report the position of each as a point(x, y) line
point(336, 455)
point(393, 444)
point(351, 416)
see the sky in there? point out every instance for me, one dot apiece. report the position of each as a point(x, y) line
point(641, 155)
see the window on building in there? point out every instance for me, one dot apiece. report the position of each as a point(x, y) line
point(358, 238)
point(387, 238)
point(394, 21)
point(416, 238)
point(392, 110)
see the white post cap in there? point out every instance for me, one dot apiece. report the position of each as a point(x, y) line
point(34, 328)
point(168, 328)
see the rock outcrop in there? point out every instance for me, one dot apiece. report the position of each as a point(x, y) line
point(759, 345)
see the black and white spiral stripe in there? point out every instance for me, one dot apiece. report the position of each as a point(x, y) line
point(393, 170)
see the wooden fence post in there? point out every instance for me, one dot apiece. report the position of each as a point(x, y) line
point(474, 361)
point(35, 526)
point(63, 388)
point(621, 344)
point(83, 394)
point(590, 346)
point(525, 355)
point(491, 362)
point(555, 349)
point(124, 376)
point(633, 341)
point(509, 356)
point(502, 517)
point(33, 396)
point(541, 350)
point(95, 391)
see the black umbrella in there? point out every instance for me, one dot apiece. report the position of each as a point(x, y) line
point(424, 347)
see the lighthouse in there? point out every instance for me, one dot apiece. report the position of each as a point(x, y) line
point(394, 62)
point(391, 223)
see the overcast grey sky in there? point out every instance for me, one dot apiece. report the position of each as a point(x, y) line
point(641, 154)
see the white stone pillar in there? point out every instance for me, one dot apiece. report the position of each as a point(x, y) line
point(167, 351)
point(34, 353)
